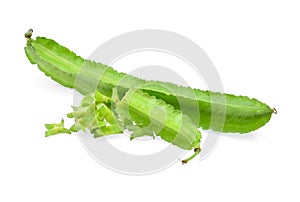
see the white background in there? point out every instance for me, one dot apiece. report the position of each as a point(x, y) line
point(255, 46)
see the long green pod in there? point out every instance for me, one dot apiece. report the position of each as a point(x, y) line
point(241, 114)
point(151, 116)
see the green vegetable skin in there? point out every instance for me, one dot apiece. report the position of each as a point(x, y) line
point(209, 110)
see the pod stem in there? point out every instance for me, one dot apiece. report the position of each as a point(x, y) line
point(196, 152)
point(28, 34)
